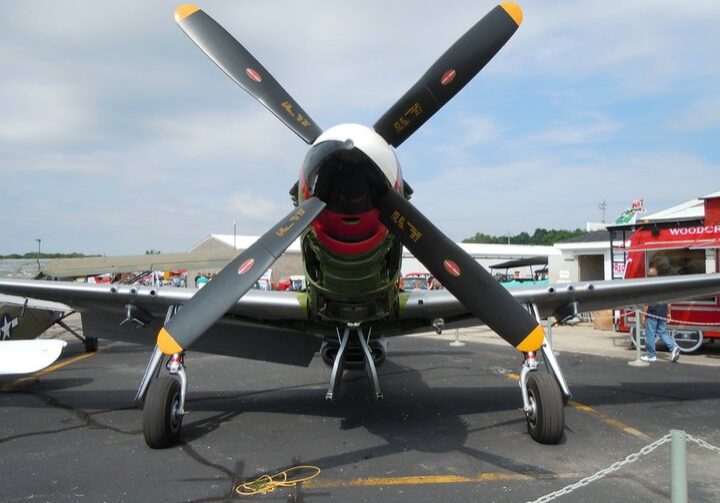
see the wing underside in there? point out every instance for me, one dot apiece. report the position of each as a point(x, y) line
point(274, 326)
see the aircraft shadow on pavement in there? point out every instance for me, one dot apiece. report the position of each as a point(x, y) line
point(413, 416)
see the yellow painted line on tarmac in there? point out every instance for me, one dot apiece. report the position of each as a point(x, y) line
point(599, 415)
point(433, 480)
point(52, 368)
point(608, 420)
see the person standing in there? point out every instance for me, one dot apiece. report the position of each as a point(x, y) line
point(656, 324)
point(202, 280)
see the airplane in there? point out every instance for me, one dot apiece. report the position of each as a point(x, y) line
point(21, 321)
point(353, 215)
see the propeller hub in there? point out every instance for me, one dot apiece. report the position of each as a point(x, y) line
point(349, 167)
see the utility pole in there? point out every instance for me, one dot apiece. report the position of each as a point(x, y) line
point(234, 236)
point(603, 206)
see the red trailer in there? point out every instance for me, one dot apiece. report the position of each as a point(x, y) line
point(684, 239)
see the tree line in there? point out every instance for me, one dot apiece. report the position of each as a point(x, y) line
point(33, 255)
point(539, 237)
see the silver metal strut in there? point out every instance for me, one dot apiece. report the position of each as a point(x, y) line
point(151, 371)
point(339, 364)
point(153, 367)
point(353, 330)
point(554, 367)
point(370, 363)
point(176, 367)
point(529, 365)
point(550, 359)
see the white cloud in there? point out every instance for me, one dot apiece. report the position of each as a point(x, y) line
point(253, 206)
point(592, 130)
point(126, 131)
point(42, 113)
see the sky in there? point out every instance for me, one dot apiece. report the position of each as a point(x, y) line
point(118, 135)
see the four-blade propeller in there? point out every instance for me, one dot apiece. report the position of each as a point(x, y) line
point(474, 287)
point(449, 73)
point(244, 69)
point(234, 280)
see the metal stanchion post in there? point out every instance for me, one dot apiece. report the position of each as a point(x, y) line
point(457, 342)
point(549, 330)
point(637, 362)
point(678, 467)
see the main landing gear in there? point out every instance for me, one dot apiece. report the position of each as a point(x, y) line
point(544, 395)
point(163, 398)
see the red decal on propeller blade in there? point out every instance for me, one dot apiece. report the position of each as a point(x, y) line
point(447, 77)
point(253, 74)
point(452, 268)
point(246, 266)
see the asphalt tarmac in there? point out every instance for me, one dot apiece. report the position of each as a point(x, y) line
point(449, 429)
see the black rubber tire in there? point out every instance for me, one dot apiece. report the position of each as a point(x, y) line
point(160, 428)
point(548, 423)
point(91, 344)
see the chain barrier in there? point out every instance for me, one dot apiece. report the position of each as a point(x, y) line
point(671, 321)
point(702, 443)
point(620, 464)
point(602, 473)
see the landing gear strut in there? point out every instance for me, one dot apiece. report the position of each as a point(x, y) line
point(544, 395)
point(353, 330)
point(163, 398)
point(90, 343)
point(164, 405)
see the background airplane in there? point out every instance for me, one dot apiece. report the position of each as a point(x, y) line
point(21, 321)
point(353, 215)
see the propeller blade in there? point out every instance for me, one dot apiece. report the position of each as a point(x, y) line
point(244, 69)
point(467, 280)
point(211, 302)
point(449, 73)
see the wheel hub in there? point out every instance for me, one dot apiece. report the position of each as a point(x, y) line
point(532, 413)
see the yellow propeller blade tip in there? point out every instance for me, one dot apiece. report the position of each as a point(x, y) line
point(184, 11)
point(167, 344)
point(533, 341)
point(513, 11)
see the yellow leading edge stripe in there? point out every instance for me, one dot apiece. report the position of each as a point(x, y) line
point(514, 11)
point(533, 341)
point(167, 344)
point(186, 10)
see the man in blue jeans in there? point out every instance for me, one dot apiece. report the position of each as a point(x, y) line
point(656, 324)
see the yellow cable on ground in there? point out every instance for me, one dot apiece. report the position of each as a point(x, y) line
point(267, 484)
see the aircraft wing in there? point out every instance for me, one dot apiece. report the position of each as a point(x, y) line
point(274, 326)
point(559, 299)
point(262, 325)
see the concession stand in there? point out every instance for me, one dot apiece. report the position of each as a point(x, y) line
point(684, 239)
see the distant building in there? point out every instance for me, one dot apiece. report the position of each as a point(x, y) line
point(289, 264)
point(582, 258)
point(291, 261)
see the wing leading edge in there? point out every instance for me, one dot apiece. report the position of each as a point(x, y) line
point(262, 325)
point(587, 296)
point(273, 326)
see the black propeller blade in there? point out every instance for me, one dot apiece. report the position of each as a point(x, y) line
point(472, 285)
point(234, 280)
point(244, 69)
point(450, 73)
